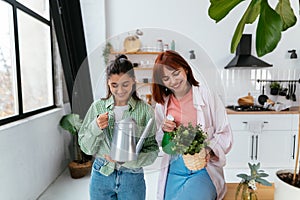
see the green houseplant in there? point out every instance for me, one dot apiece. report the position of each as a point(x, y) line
point(274, 88)
point(81, 164)
point(107, 49)
point(190, 142)
point(271, 22)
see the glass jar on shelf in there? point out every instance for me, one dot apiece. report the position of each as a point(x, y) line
point(159, 45)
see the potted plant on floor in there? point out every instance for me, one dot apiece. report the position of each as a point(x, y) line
point(81, 165)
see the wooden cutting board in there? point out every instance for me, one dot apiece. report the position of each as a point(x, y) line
point(246, 101)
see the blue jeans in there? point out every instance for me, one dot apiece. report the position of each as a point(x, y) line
point(122, 184)
point(185, 184)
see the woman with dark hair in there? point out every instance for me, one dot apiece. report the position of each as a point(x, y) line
point(111, 179)
point(179, 94)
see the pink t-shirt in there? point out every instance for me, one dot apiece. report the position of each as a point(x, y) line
point(183, 110)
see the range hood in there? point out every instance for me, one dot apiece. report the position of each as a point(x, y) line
point(243, 57)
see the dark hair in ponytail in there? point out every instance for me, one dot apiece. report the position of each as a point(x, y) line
point(121, 65)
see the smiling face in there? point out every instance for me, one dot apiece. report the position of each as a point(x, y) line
point(176, 81)
point(121, 86)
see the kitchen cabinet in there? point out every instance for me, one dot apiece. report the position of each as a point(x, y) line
point(272, 143)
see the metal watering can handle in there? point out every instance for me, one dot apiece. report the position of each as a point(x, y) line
point(144, 135)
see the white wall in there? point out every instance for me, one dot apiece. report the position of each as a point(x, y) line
point(33, 152)
point(190, 18)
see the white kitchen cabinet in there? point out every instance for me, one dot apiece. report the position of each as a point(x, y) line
point(273, 145)
point(276, 148)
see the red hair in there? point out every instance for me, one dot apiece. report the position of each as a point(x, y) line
point(171, 60)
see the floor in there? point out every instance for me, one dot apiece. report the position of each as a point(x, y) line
point(66, 188)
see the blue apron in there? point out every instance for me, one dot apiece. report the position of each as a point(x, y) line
point(185, 184)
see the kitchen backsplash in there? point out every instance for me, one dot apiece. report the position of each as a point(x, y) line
point(237, 83)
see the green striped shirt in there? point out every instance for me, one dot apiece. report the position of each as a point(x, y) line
point(93, 140)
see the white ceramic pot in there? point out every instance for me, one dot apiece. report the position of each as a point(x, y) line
point(284, 191)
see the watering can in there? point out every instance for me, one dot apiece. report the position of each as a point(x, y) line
point(123, 146)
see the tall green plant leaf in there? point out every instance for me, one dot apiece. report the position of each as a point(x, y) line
point(268, 32)
point(249, 17)
point(218, 9)
point(71, 122)
point(286, 13)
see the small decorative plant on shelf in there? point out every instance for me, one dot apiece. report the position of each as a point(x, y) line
point(107, 49)
point(81, 164)
point(189, 141)
point(247, 187)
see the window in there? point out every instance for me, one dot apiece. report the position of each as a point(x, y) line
point(26, 68)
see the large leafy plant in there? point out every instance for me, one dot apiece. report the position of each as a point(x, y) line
point(185, 140)
point(271, 22)
point(72, 123)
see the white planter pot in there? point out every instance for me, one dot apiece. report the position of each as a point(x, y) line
point(284, 191)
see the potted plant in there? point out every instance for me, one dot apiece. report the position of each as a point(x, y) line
point(106, 51)
point(81, 165)
point(190, 141)
point(274, 88)
point(246, 189)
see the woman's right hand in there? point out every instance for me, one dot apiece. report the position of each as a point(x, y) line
point(168, 125)
point(102, 120)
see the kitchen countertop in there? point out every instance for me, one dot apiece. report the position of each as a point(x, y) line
point(292, 110)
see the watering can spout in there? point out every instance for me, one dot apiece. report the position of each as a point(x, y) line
point(144, 136)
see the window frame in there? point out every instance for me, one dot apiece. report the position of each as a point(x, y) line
point(21, 115)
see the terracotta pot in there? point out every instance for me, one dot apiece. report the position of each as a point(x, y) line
point(283, 190)
point(79, 170)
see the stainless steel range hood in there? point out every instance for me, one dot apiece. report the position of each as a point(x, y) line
point(243, 57)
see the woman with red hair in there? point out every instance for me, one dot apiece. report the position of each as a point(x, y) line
point(179, 94)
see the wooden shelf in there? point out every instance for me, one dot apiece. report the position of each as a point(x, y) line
point(137, 52)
